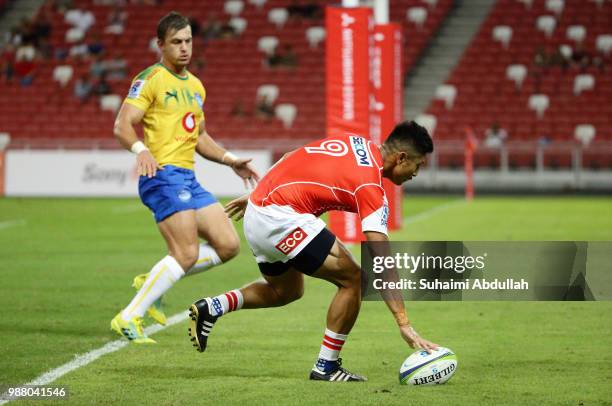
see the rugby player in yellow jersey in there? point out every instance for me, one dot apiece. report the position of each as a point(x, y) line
point(167, 99)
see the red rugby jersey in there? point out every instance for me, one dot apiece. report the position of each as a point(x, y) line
point(338, 173)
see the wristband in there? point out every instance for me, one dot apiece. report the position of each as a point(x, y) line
point(138, 147)
point(401, 319)
point(233, 158)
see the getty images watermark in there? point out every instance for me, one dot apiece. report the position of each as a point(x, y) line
point(485, 270)
point(457, 264)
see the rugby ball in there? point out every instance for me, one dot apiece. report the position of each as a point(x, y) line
point(422, 368)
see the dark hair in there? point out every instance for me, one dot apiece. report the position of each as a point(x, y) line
point(171, 21)
point(409, 134)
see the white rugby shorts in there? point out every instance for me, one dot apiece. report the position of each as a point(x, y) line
point(278, 233)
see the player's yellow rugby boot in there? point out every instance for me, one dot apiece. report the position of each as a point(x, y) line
point(132, 330)
point(156, 310)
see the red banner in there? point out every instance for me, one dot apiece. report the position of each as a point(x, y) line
point(347, 89)
point(386, 101)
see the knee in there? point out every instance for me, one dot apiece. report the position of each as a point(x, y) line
point(186, 256)
point(228, 248)
point(351, 278)
point(287, 296)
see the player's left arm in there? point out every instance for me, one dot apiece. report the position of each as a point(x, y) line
point(378, 245)
point(209, 149)
point(374, 213)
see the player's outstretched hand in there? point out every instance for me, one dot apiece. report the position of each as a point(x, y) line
point(415, 340)
point(146, 165)
point(245, 170)
point(236, 208)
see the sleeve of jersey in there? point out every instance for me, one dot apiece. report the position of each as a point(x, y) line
point(203, 101)
point(373, 208)
point(141, 93)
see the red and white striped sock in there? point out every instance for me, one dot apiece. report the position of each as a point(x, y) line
point(331, 345)
point(227, 302)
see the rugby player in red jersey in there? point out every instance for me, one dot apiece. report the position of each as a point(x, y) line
point(288, 239)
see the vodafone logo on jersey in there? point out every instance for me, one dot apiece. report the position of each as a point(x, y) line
point(292, 240)
point(189, 122)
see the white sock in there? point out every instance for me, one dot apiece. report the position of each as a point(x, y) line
point(207, 258)
point(227, 302)
point(161, 278)
point(331, 345)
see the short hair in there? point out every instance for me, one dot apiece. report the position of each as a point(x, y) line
point(171, 21)
point(410, 134)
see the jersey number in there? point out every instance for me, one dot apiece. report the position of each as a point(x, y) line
point(329, 147)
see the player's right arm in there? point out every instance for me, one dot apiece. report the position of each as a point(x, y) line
point(124, 130)
point(378, 244)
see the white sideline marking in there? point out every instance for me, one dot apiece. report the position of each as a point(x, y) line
point(424, 215)
point(12, 223)
point(87, 358)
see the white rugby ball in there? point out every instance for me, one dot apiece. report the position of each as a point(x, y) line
point(422, 368)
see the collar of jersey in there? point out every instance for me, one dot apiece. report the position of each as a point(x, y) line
point(174, 74)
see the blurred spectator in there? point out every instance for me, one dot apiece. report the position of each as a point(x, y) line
point(83, 88)
point(264, 108)
point(115, 68)
point(558, 59)
point(239, 111)
point(211, 28)
point(495, 136)
point(25, 52)
point(97, 68)
point(580, 57)
point(7, 62)
point(287, 58)
point(196, 28)
point(227, 31)
point(95, 46)
point(309, 10)
point(26, 31)
point(116, 21)
point(102, 87)
point(41, 27)
point(25, 71)
point(599, 63)
point(14, 36)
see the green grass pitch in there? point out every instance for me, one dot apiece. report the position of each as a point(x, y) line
point(67, 266)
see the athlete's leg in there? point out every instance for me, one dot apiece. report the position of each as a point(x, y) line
point(341, 269)
point(181, 235)
point(273, 291)
point(180, 232)
point(222, 240)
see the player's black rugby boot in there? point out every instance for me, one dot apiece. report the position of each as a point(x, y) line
point(201, 323)
point(337, 374)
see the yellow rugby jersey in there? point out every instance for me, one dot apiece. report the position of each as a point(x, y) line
point(173, 112)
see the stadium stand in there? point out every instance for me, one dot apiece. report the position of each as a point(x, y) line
point(541, 69)
point(48, 109)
